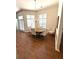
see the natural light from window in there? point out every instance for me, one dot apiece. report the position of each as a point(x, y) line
point(42, 20)
point(31, 21)
point(20, 17)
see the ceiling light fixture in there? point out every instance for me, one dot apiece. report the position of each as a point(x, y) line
point(35, 1)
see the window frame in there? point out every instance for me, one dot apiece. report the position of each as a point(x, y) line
point(41, 23)
point(32, 21)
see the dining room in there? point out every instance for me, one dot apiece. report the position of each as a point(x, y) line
point(35, 30)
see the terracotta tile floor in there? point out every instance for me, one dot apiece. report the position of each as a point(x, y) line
point(28, 47)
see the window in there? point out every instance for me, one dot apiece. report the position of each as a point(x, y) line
point(16, 24)
point(31, 21)
point(20, 23)
point(42, 20)
point(20, 17)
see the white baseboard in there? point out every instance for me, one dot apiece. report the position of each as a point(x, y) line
point(58, 50)
point(51, 32)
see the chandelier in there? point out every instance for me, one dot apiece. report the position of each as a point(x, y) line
point(35, 1)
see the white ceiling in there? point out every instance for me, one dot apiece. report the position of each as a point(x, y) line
point(30, 4)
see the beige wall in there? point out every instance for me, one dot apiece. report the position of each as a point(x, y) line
point(52, 13)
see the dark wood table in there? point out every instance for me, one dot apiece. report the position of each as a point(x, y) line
point(38, 34)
